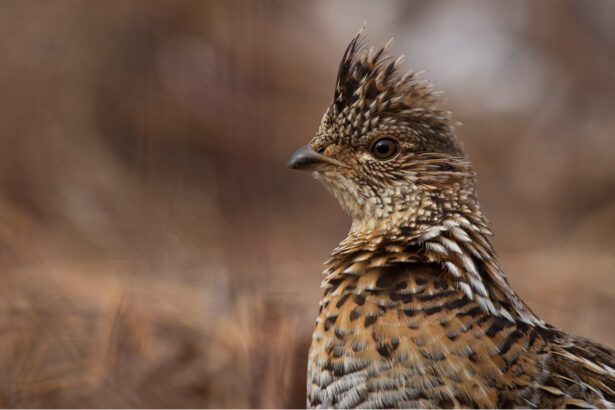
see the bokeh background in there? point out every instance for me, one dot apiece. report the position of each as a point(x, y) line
point(156, 252)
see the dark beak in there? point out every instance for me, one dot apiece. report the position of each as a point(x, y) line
point(307, 159)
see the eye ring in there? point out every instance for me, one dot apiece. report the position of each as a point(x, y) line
point(384, 148)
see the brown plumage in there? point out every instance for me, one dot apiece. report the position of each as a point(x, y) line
point(416, 311)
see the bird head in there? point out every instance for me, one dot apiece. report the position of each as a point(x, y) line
point(384, 149)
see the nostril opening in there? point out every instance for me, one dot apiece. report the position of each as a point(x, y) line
point(321, 149)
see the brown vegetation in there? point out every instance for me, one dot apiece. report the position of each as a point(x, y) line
point(155, 250)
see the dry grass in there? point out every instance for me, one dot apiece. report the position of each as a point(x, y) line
point(80, 335)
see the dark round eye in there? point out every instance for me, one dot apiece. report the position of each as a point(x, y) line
point(384, 148)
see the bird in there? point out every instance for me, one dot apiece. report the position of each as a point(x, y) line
point(416, 310)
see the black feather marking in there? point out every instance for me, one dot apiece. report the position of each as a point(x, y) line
point(369, 320)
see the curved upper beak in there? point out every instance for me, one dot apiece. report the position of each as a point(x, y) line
point(307, 159)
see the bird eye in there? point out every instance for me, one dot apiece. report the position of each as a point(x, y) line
point(384, 148)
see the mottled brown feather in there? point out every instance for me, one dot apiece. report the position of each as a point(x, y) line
point(416, 310)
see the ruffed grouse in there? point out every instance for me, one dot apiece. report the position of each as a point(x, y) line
point(416, 310)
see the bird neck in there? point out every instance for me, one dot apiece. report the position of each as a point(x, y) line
point(458, 245)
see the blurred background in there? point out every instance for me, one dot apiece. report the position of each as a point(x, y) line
point(155, 251)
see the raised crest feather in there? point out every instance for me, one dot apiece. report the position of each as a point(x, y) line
point(374, 77)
